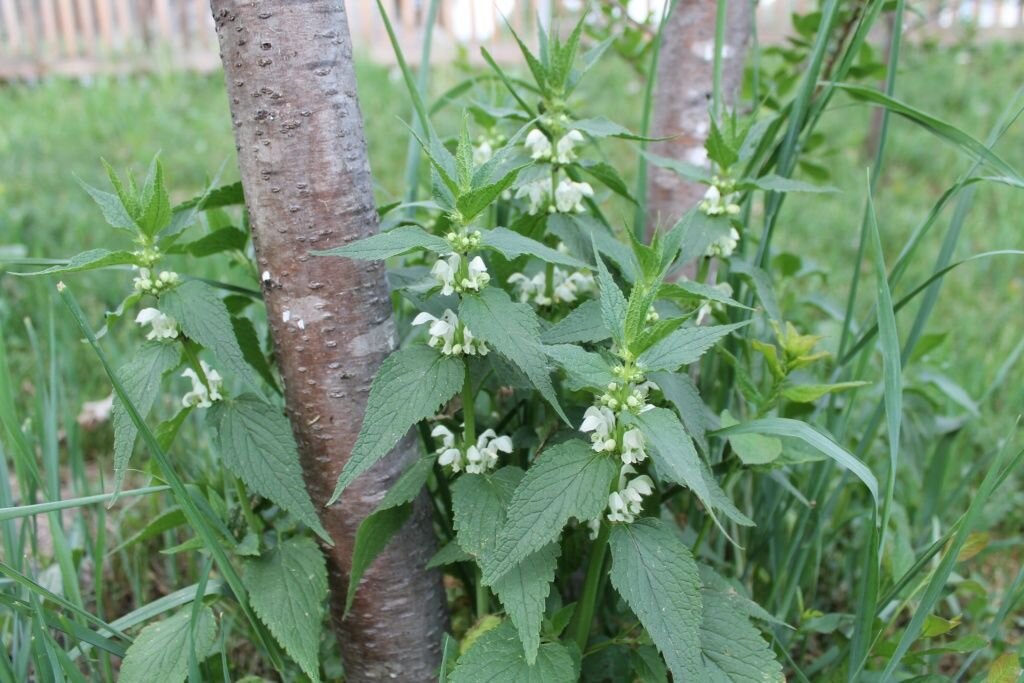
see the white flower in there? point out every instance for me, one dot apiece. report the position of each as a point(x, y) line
point(536, 194)
point(714, 204)
point(566, 287)
point(709, 306)
point(594, 528)
point(569, 195)
point(601, 421)
point(162, 326)
point(483, 455)
point(455, 339)
point(633, 447)
point(477, 276)
point(148, 283)
point(627, 502)
point(724, 246)
point(448, 454)
point(538, 144)
point(564, 152)
point(201, 395)
point(482, 153)
point(445, 271)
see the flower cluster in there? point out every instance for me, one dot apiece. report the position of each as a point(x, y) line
point(475, 458)
point(454, 275)
point(565, 288)
point(161, 326)
point(454, 337)
point(569, 196)
point(483, 150)
point(626, 503)
point(148, 283)
point(724, 246)
point(719, 199)
point(463, 242)
point(202, 395)
point(539, 146)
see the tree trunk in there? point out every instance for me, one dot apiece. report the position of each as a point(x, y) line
point(302, 154)
point(682, 97)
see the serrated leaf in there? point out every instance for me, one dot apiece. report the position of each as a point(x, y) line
point(154, 202)
point(609, 177)
point(511, 244)
point(676, 460)
point(512, 329)
point(752, 449)
point(204, 318)
point(718, 148)
point(582, 368)
point(680, 391)
point(387, 518)
point(479, 503)
point(216, 242)
point(472, 203)
point(655, 574)
point(411, 385)
point(89, 260)
point(161, 650)
point(287, 589)
point(449, 554)
point(257, 445)
point(732, 649)
point(540, 74)
point(583, 324)
point(613, 303)
point(498, 656)
point(567, 480)
point(695, 232)
point(391, 243)
point(809, 393)
point(114, 212)
point(141, 377)
point(252, 350)
point(684, 346)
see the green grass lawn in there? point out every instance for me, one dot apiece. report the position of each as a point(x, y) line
point(58, 130)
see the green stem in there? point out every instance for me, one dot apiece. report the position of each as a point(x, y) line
point(483, 597)
point(468, 408)
point(584, 617)
point(716, 65)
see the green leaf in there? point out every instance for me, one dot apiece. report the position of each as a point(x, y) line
point(511, 244)
point(583, 368)
point(218, 241)
point(752, 449)
point(684, 346)
point(613, 303)
point(609, 177)
point(600, 127)
point(498, 656)
point(387, 518)
point(778, 426)
point(391, 243)
point(567, 480)
point(141, 377)
point(161, 651)
point(695, 232)
point(252, 350)
point(1005, 669)
point(472, 203)
point(584, 323)
point(676, 460)
point(288, 588)
point(691, 172)
point(809, 393)
point(479, 503)
point(762, 286)
point(512, 329)
point(89, 260)
point(204, 318)
point(154, 202)
point(257, 445)
point(680, 391)
point(937, 127)
point(114, 211)
point(449, 554)
point(410, 386)
point(655, 574)
point(732, 648)
point(776, 183)
point(540, 74)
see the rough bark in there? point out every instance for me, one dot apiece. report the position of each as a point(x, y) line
point(302, 154)
point(682, 97)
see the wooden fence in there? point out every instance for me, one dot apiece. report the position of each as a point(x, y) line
point(82, 37)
